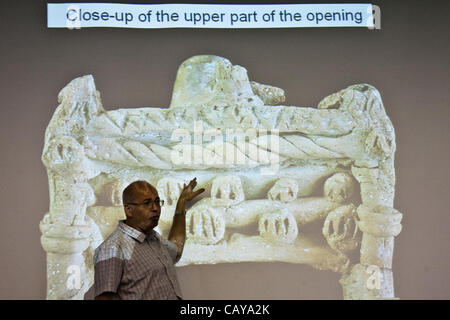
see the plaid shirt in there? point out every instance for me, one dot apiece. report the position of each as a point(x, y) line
point(136, 265)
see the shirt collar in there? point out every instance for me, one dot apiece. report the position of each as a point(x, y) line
point(152, 235)
point(132, 232)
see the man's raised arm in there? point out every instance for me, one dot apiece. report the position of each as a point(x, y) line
point(177, 233)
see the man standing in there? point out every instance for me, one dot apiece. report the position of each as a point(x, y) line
point(135, 262)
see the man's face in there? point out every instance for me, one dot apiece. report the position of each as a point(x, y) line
point(143, 214)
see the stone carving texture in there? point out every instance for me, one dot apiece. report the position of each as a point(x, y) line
point(284, 183)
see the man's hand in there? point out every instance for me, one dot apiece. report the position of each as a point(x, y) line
point(188, 193)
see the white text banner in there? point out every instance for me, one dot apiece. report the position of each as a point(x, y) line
point(227, 16)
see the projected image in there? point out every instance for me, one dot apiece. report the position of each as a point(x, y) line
point(307, 185)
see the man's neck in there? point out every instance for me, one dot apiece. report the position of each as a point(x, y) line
point(130, 224)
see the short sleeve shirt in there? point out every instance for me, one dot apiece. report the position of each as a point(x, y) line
point(136, 266)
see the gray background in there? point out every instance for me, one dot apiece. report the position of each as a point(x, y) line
point(407, 61)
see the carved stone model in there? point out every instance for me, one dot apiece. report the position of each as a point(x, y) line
point(283, 183)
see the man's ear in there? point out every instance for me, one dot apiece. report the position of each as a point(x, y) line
point(128, 211)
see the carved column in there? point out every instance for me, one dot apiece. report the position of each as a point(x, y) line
point(372, 278)
point(66, 231)
point(66, 270)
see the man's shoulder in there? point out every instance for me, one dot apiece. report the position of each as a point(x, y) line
point(111, 247)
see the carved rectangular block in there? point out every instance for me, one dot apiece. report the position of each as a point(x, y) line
point(283, 183)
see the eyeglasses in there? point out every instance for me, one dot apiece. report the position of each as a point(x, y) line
point(148, 203)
